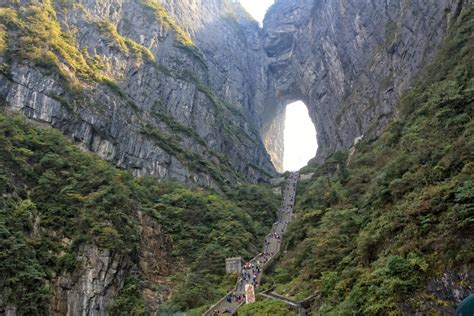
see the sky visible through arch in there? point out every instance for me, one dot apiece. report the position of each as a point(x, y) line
point(300, 137)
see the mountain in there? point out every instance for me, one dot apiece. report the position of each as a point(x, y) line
point(350, 62)
point(137, 138)
point(233, 78)
point(385, 228)
point(125, 80)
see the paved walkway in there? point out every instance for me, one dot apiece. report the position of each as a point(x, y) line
point(252, 270)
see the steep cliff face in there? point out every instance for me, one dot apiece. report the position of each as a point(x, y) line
point(232, 44)
point(351, 61)
point(92, 287)
point(273, 134)
point(154, 260)
point(194, 90)
point(128, 82)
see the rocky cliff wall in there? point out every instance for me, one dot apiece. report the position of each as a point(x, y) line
point(93, 287)
point(127, 81)
point(193, 90)
point(350, 61)
point(232, 43)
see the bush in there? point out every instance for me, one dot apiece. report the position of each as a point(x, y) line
point(267, 307)
point(130, 300)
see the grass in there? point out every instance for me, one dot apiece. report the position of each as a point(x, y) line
point(43, 32)
point(110, 30)
point(184, 39)
point(168, 22)
point(36, 35)
point(3, 39)
point(40, 39)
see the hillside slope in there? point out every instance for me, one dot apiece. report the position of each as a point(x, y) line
point(388, 228)
point(78, 235)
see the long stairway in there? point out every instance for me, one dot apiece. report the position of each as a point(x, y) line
point(271, 249)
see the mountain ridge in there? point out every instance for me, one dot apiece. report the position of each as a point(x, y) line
point(185, 100)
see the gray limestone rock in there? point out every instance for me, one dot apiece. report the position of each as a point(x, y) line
point(350, 61)
point(93, 287)
point(190, 115)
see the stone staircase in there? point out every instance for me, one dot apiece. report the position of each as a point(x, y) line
point(270, 251)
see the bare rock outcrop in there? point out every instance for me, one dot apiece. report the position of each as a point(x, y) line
point(91, 289)
point(154, 260)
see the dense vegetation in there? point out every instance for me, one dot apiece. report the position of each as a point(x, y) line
point(266, 307)
point(56, 198)
point(374, 227)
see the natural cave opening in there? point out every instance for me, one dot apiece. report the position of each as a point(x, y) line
point(300, 142)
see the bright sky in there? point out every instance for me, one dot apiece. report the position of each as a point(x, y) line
point(257, 8)
point(300, 137)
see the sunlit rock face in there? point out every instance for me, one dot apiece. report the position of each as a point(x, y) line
point(94, 287)
point(273, 136)
point(350, 61)
point(215, 91)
